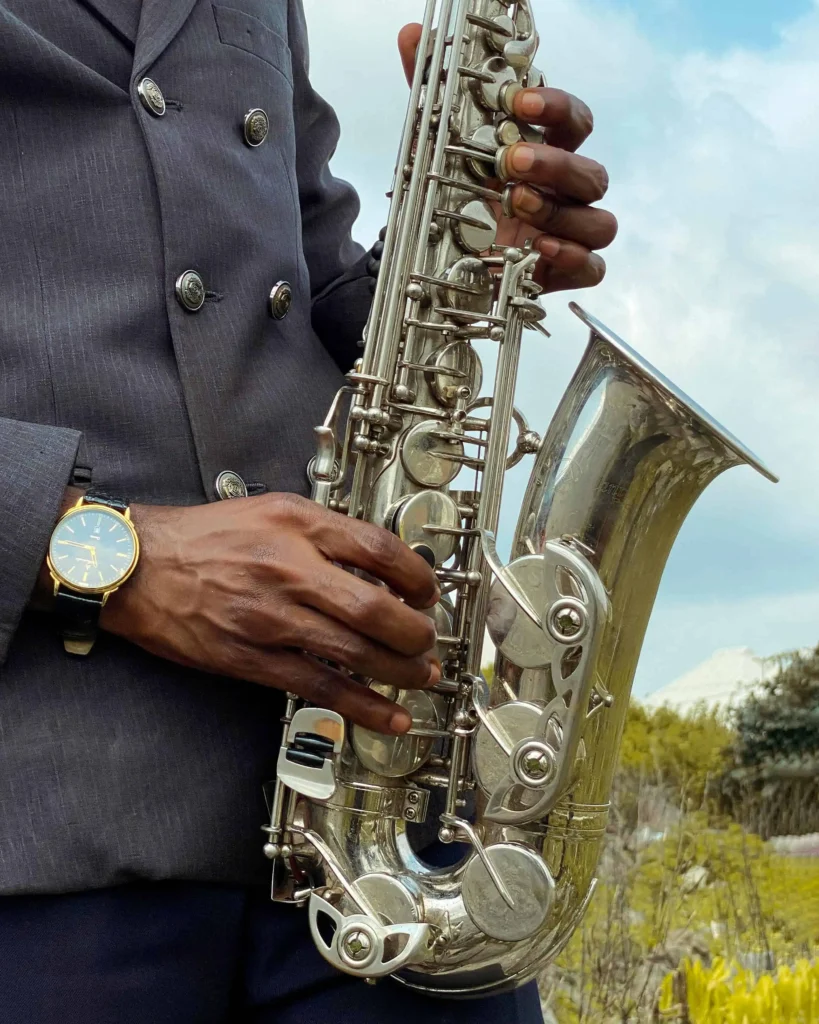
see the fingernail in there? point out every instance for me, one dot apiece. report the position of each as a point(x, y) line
point(400, 722)
point(548, 247)
point(522, 159)
point(435, 671)
point(527, 201)
point(532, 104)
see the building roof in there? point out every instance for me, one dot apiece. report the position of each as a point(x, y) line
point(722, 681)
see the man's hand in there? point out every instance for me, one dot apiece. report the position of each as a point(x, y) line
point(249, 589)
point(557, 186)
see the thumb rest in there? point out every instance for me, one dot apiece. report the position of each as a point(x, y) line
point(522, 766)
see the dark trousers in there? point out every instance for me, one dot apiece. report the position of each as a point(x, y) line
point(187, 953)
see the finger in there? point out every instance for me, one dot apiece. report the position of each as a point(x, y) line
point(371, 611)
point(328, 638)
point(587, 225)
point(566, 265)
point(381, 554)
point(569, 120)
point(408, 39)
point(570, 175)
point(325, 687)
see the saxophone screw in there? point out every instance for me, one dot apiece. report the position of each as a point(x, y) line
point(567, 621)
point(357, 946)
point(409, 814)
point(496, 334)
point(536, 765)
point(271, 851)
point(446, 834)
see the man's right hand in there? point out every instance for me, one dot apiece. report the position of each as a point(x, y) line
point(249, 589)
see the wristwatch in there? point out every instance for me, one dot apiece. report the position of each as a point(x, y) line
point(93, 550)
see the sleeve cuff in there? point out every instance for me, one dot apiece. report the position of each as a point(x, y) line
point(340, 312)
point(36, 465)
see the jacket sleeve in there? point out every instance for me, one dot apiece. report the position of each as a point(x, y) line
point(36, 465)
point(341, 272)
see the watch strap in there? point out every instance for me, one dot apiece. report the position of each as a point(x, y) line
point(93, 497)
point(77, 617)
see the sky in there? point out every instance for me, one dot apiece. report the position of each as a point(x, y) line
point(707, 118)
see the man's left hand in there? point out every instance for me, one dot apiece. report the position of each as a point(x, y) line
point(553, 201)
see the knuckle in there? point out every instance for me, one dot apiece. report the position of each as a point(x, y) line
point(383, 547)
point(322, 690)
point(553, 215)
point(291, 507)
point(350, 650)
point(366, 606)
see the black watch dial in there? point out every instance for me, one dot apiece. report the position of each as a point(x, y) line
point(93, 549)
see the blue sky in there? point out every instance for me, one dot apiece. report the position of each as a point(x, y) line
point(707, 116)
point(714, 25)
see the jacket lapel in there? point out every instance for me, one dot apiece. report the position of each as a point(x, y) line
point(159, 23)
point(121, 18)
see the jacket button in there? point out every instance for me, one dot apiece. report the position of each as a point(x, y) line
point(281, 298)
point(190, 291)
point(230, 485)
point(151, 97)
point(256, 126)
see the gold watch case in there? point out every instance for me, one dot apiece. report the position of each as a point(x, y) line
point(79, 515)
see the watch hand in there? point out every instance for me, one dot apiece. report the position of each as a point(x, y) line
point(75, 544)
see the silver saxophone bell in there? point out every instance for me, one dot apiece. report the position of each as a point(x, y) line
point(519, 772)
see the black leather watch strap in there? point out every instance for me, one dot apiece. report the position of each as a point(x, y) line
point(93, 497)
point(77, 617)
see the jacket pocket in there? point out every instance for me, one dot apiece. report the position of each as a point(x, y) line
point(242, 30)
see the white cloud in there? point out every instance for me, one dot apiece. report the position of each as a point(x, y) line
point(715, 275)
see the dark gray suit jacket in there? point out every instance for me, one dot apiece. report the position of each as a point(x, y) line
point(122, 766)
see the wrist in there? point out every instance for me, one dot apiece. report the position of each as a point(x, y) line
point(128, 611)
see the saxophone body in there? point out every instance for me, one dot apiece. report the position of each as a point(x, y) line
point(513, 775)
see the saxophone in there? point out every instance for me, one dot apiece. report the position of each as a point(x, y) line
point(514, 774)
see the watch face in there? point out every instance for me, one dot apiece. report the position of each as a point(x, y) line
point(93, 549)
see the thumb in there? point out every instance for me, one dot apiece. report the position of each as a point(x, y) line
point(408, 39)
